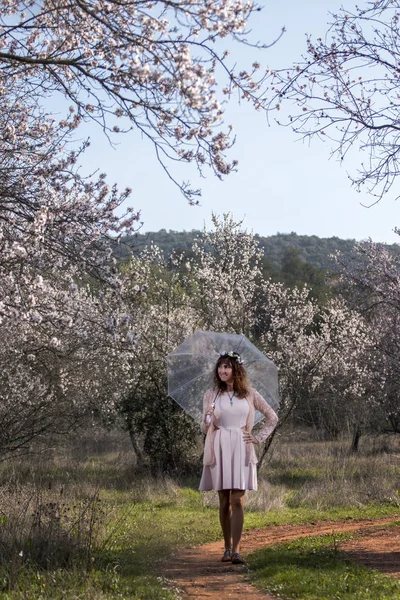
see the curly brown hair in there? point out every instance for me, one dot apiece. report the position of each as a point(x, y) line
point(241, 385)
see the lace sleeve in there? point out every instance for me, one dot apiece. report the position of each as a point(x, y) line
point(271, 418)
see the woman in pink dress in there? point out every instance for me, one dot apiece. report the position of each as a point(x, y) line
point(230, 462)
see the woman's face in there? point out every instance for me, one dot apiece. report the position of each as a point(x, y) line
point(225, 371)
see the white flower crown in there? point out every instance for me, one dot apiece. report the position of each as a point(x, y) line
point(233, 355)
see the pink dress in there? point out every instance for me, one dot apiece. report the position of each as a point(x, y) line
point(231, 470)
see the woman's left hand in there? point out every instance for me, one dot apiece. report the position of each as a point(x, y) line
point(249, 438)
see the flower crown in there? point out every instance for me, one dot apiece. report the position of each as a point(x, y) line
point(233, 355)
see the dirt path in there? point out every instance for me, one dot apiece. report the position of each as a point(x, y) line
point(199, 574)
point(377, 550)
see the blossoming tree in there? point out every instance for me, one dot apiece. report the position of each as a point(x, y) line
point(160, 68)
point(225, 276)
point(345, 92)
point(156, 67)
point(320, 350)
point(160, 319)
point(372, 277)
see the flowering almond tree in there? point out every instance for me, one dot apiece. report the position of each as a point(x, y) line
point(345, 91)
point(327, 376)
point(54, 237)
point(161, 317)
point(320, 355)
point(161, 68)
point(168, 299)
point(61, 365)
point(225, 275)
point(319, 351)
point(156, 67)
point(372, 276)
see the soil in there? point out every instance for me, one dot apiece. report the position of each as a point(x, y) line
point(198, 572)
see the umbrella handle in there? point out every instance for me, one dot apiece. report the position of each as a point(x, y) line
point(208, 415)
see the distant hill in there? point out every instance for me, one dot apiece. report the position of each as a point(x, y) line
point(311, 248)
point(167, 241)
point(314, 250)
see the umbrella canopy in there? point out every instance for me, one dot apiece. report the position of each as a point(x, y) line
point(190, 369)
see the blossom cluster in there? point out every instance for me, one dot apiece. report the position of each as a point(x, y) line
point(153, 66)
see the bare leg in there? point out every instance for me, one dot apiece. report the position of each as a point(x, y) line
point(237, 509)
point(225, 513)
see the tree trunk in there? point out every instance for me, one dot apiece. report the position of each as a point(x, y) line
point(265, 449)
point(356, 439)
point(283, 417)
point(132, 436)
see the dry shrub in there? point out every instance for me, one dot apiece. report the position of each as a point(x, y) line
point(47, 529)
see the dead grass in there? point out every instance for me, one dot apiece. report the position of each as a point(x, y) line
point(267, 498)
point(324, 475)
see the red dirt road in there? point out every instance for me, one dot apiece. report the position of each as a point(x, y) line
point(378, 550)
point(199, 574)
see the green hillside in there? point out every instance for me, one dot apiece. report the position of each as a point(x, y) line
point(314, 250)
point(311, 248)
point(292, 259)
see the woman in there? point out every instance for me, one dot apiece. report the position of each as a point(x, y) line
point(229, 457)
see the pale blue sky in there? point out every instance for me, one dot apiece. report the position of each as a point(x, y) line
point(283, 185)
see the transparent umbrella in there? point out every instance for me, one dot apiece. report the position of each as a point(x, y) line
point(190, 369)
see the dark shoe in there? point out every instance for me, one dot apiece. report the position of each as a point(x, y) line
point(237, 559)
point(227, 555)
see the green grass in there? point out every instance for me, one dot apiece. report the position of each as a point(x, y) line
point(314, 568)
point(310, 515)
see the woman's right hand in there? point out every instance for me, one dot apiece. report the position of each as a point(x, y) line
point(249, 438)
